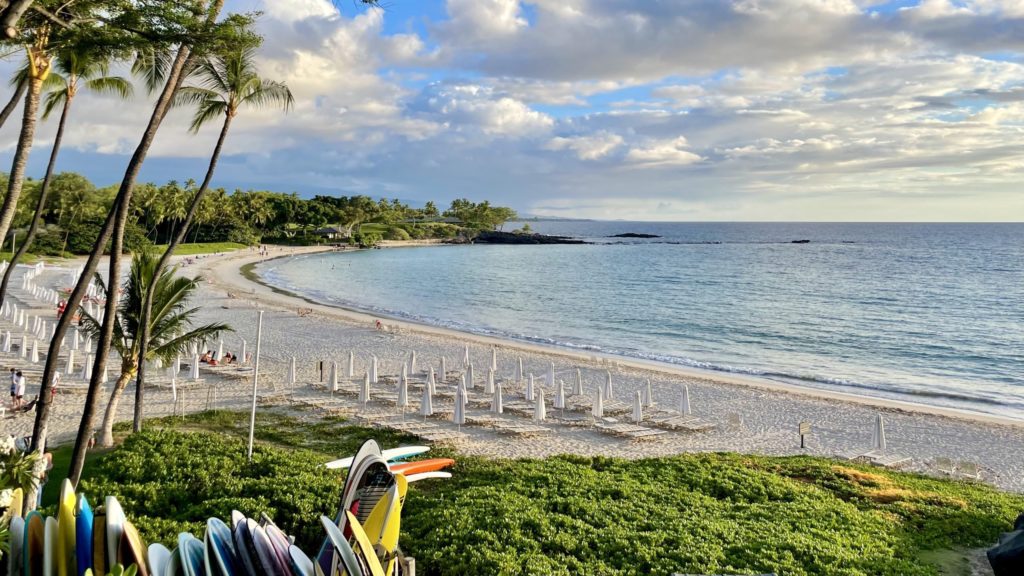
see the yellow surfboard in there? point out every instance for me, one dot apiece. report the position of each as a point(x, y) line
point(393, 524)
point(363, 547)
point(66, 560)
point(17, 504)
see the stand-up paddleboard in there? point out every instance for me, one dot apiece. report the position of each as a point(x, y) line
point(301, 564)
point(33, 544)
point(420, 466)
point(250, 548)
point(67, 560)
point(370, 485)
point(159, 559)
point(15, 554)
point(115, 523)
point(340, 547)
point(280, 544)
point(83, 534)
point(99, 544)
point(390, 455)
point(50, 547)
point(220, 552)
point(425, 476)
point(266, 554)
point(190, 554)
point(374, 524)
point(325, 558)
point(388, 542)
point(17, 503)
point(363, 548)
point(245, 549)
point(132, 550)
point(174, 567)
point(236, 516)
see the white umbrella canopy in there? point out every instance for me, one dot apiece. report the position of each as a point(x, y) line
point(7, 341)
point(608, 385)
point(539, 410)
point(195, 366)
point(496, 405)
point(648, 396)
point(469, 376)
point(23, 352)
point(242, 355)
point(494, 359)
point(431, 383)
point(459, 415)
point(35, 351)
point(560, 396)
point(291, 371)
point(443, 372)
point(177, 364)
point(220, 350)
point(87, 367)
point(489, 386)
point(551, 375)
point(529, 389)
point(373, 370)
point(364, 390)
point(517, 375)
point(638, 410)
point(351, 370)
point(465, 357)
point(427, 402)
point(684, 400)
point(878, 434)
point(333, 379)
point(412, 362)
point(69, 368)
point(106, 374)
point(597, 410)
point(403, 392)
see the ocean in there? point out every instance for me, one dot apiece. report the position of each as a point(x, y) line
point(931, 313)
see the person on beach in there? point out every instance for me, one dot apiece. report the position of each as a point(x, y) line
point(56, 382)
point(380, 325)
point(21, 388)
point(14, 389)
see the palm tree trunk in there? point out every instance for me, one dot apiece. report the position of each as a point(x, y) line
point(19, 91)
point(179, 237)
point(106, 438)
point(123, 198)
point(44, 191)
point(17, 178)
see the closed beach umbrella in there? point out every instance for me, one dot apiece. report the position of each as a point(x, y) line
point(87, 343)
point(35, 351)
point(529, 388)
point(364, 390)
point(577, 386)
point(351, 371)
point(69, 368)
point(334, 377)
point(598, 409)
point(684, 400)
point(518, 376)
point(638, 410)
point(560, 395)
point(427, 402)
point(106, 374)
point(87, 367)
point(373, 370)
point(443, 372)
point(403, 392)
point(459, 415)
point(539, 411)
point(177, 365)
point(24, 346)
point(158, 363)
point(878, 435)
point(465, 357)
point(174, 387)
point(494, 359)
point(551, 375)
point(469, 376)
point(430, 381)
point(608, 385)
point(195, 367)
point(405, 371)
point(243, 356)
point(496, 406)
point(412, 362)
point(648, 399)
point(7, 341)
point(220, 350)
point(489, 386)
point(291, 371)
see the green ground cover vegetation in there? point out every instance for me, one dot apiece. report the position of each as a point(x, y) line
point(704, 513)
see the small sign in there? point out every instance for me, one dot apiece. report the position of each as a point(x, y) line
point(805, 428)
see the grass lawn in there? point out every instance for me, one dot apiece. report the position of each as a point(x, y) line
point(696, 513)
point(374, 228)
point(203, 248)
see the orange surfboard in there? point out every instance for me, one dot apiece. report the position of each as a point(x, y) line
point(420, 466)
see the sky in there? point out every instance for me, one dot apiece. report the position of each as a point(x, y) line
point(762, 110)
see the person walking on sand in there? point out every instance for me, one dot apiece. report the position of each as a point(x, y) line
point(56, 382)
point(14, 389)
point(21, 388)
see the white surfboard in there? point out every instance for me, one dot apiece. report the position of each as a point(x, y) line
point(388, 455)
point(427, 476)
point(50, 548)
point(115, 525)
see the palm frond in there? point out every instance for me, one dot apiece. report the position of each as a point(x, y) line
point(207, 111)
point(269, 93)
point(53, 101)
point(152, 65)
point(193, 96)
point(115, 85)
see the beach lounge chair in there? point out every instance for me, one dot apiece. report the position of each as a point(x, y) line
point(853, 455)
point(944, 466)
point(969, 470)
point(887, 459)
point(630, 431)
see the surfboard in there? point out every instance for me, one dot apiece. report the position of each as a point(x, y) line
point(280, 543)
point(99, 544)
point(301, 564)
point(132, 549)
point(363, 548)
point(159, 559)
point(425, 476)
point(50, 547)
point(115, 523)
point(220, 552)
point(390, 455)
point(15, 555)
point(325, 558)
point(174, 567)
point(245, 550)
point(236, 516)
point(251, 549)
point(374, 524)
point(190, 554)
point(34, 544)
point(340, 547)
point(266, 554)
point(420, 466)
point(67, 560)
point(17, 503)
point(83, 534)
point(392, 524)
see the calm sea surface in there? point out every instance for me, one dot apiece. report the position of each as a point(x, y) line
point(928, 312)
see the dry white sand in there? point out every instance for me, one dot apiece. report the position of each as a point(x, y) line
point(770, 412)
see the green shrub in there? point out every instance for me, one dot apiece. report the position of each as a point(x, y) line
point(397, 233)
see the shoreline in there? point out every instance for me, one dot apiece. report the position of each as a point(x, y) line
point(246, 280)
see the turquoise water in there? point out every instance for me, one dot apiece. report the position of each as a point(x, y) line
point(932, 313)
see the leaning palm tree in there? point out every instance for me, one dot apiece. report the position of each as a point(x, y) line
point(72, 72)
point(226, 83)
point(171, 330)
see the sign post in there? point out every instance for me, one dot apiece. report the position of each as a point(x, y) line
point(805, 430)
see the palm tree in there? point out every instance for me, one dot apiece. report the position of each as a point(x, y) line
point(20, 84)
point(226, 84)
point(73, 71)
point(171, 331)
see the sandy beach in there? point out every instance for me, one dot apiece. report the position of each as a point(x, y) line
point(749, 415)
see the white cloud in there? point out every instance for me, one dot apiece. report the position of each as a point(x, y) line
point(664, 152)
point(593, 147)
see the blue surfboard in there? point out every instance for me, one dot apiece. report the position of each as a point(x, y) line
point(83, 534)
